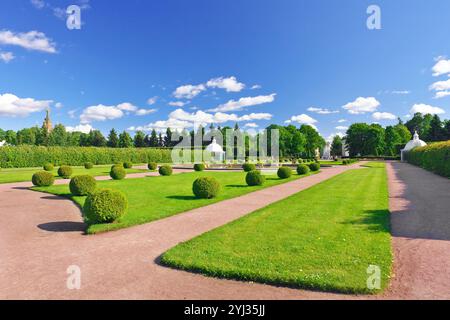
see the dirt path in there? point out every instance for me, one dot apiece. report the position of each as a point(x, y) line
point(41, 236)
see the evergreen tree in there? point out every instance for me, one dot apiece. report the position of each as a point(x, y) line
point(96, 139)
point(153, 141)
point(125, 140)
point(168, 138)
point(139, 139)
point(113, 139)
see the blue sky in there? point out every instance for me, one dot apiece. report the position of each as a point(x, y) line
point(252, 61)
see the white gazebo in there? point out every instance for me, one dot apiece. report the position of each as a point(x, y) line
point(414, 143)
point(215, 152)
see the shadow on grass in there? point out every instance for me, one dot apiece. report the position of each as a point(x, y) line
point(182, 197)
point(372, 220)
point(236, 186)
point(63, 226)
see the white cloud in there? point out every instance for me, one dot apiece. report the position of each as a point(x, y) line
point(144, 112)
point(384, 116)
point(342, 120)
point(32, 40)
point(100, 113)
point(425, 109)
point(342, 128)
point(229, 84)
point(441, 94)
point(233, 105)
point(331, 136)
point(188, 91)
point(251, 125)
point(441, 67)
point(6, 57)
point(256, 86)
point(152, 100)
point(321, 110)
point(303, 119)
point(177, 103)
point(71, 113)
point(402, 92)
point(126, 106)
point(362, 105)
point(60, 13)
point(440, 85)
point(58, 105)
point(13, 106)
point(84, 128)
point(180, 119)
point(38, 4)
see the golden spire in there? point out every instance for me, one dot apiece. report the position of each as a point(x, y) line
point(47, 122)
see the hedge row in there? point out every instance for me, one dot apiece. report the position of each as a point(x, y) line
point(37, 156)
point(434, 157)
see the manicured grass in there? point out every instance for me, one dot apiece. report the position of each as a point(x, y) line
point(24, 174)
point(336, 163)
point(153, 198)
point(323, 238)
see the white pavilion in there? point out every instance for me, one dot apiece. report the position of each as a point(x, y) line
point(215, 152)
point(414, 143)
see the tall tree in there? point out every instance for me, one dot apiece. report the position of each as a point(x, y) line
point(336, 146)
point(139, 139)
point(58, 136)
point(97, 139)
point(160, 140)
point(113, 139)
point(437, 131)
point(168, 138)
point(392, 139)
point(125, 140)
point(313, 140)
point(153, 141)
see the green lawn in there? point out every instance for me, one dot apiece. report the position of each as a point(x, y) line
point(24, 174)
point(323, 238)
point(153, 198)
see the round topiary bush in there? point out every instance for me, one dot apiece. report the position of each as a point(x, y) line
point(128, 165)
point(165, 170)
point(104, 206)
point(117, 173)
point(43, 179)
point(82, 185)
point(120, 165)
point(88, 165)
point(65, 172)
point(314, 166)
point(255, 178)
point(206, 187)
point(152, 166)
point(199, 167)
point(48, 167)
point(284, 172)
point(248, 167)
point(302, 169)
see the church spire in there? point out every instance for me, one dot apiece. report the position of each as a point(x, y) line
point(47, 122)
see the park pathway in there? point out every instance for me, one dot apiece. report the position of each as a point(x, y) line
point(41, 235)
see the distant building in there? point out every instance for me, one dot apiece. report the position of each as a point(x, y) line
point(414, 143)
point(47, 122)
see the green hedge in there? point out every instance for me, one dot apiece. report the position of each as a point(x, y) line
point(37, 156)
point(434, 157)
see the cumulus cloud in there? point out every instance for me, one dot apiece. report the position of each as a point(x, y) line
point(256, 86)
point(342, 120)
point(6, 57)
point(32, 40)
point(384, 116)
point(126, 106)
point(13, 106)
point(233, 105)
point(342, 128)
point(152, 100)
point(177, 103)
point(440, 85)
point(229, 84)
point(321, 110)
point(144, 112)
point(362, 105)
point(100, 113)
point(303, 119)
point(188, 91)
point(84, 128)
point(425, 109)
point(441, 94)
point(441, 67)
point(251, 125)
point(58, 105)
point(180, 119)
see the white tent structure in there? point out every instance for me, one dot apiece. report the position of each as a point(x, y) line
point(215, 152)
point(414, 143)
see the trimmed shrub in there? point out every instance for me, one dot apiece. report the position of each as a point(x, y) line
point(315, 166)
point(302, 169)
point(152, 166)
point(65, 172)
point(104, 206)
point(82, 185)
point(165, 170)
point(206, 187)
point(117, 172)
point(199, 167)
point(36, 156)
point(48, 167)
point(43, 179)
point(88, 165)
point(128, 165)
point(284, 172)
point(434, 157)
point(255, 178)
point(248, 167)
